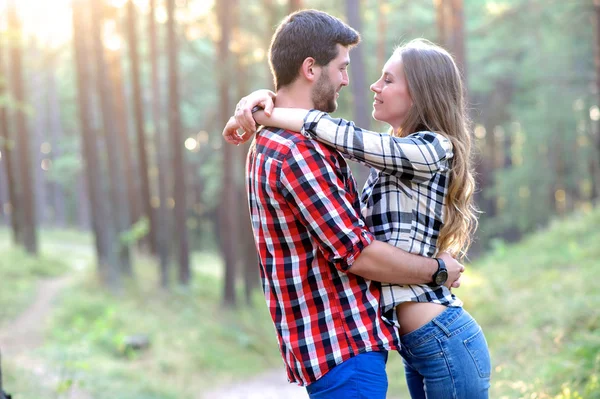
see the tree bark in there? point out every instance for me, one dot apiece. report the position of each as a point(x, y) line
point(451, 30)
point(56, 133)
point(139, 124)
point(7, 147)
point(295, 5)
point(27, 196)
point(381, 32)
point(227, 215)
point(38, 133)
point(177, 148)
point(118, 192)
point(361, 110)
point(115, 73)
point(246, 250)
point(357, 71)
point(101, 223)
point(162, 223)
point(271, 25)
point(596, 167)
point(458, 42)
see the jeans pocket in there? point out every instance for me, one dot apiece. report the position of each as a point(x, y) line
point(477, 347)
point(429, 349)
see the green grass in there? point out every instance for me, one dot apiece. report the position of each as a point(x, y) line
point(539, 305)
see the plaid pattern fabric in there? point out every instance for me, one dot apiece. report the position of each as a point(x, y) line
point(403, 199)
point(305, 215)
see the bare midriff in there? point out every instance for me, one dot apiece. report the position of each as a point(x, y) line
point(413, 315)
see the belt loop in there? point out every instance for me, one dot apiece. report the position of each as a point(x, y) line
point(441, 326)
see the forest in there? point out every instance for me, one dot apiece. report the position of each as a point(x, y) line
point(116, 183)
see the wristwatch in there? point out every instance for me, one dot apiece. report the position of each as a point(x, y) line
point(440, 277)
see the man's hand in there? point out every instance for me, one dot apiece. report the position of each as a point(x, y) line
point(231, 135)
point(243, 110)
point(455, 270)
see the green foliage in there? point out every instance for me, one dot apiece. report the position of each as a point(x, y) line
point(66, 169)
point(531, 79)
point(136, 232)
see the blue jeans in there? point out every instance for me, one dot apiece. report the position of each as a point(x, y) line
point(447, 358)
point(360, 377)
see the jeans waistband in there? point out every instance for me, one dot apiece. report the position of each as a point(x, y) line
point(442, 323)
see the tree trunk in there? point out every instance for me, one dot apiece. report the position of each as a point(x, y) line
point(246, 250)
point(295, 5)
point(115, 72)
point(177, 148)
point(162, 222)
point(38, 129)
point(357, 71)
point(84, 216)
point(7, 147)
point(26, 200)
point(596, 166)
point(441, 19)
point(381, 32)
point(451, 30)
point(361, 110)
point(56, 133)
point(118, 192)
point(101, 223)
point(227, 206)
point(139, 124)
point(458, 38)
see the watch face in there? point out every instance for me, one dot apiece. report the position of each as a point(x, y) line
point(441, 277)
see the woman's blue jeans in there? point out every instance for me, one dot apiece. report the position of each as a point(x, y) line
point(360, 377)
point(447, 358)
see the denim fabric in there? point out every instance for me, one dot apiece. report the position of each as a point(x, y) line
point(360, 377)
point(447, 358)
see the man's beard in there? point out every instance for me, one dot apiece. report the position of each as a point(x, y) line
point(323, 94)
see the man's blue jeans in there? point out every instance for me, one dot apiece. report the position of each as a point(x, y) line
point(447, 358)
point(360, 377)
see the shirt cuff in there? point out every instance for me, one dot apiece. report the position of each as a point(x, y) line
point(310, 123)
point(366, 238)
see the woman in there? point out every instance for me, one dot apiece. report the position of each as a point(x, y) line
point(419, 198)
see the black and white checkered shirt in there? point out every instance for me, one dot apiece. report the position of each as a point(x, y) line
point(402, 202)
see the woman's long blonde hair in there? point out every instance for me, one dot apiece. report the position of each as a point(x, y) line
point(435, 85)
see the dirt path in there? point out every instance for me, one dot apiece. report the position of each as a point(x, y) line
point(270, 385)
point(26, 332)
point(22, 337)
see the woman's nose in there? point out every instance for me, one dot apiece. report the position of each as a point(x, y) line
point(374, 88)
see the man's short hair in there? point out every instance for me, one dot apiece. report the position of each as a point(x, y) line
point(306, 33)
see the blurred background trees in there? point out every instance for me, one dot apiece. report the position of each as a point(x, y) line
point(111, 114)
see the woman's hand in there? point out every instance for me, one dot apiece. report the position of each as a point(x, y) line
point(231, 133)
point(263, 99)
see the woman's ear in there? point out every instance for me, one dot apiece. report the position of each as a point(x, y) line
point(309, 69)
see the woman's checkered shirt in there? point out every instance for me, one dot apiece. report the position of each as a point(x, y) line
point(402, 202)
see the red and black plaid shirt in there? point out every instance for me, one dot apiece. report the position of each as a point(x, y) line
point(305, 215)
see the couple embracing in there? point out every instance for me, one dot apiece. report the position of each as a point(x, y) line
point(348, 277)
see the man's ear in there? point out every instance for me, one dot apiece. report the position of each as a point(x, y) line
point(310, 70)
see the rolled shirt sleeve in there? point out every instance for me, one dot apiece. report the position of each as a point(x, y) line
point(319, 199)
point(417, 157)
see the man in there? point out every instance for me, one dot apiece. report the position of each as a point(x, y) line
point(317, 257)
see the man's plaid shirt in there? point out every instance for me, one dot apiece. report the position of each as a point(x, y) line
point(305, 215)
point(403, 199)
